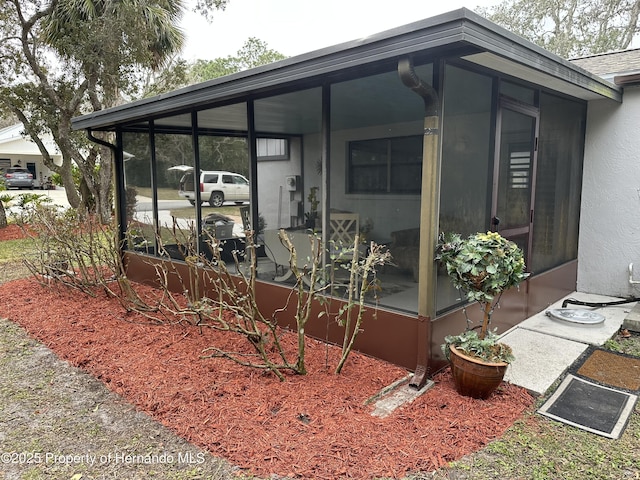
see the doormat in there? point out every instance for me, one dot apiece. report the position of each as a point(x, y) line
point(610, 368)
point(592, 407)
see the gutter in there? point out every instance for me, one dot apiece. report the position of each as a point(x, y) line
point(429, 209)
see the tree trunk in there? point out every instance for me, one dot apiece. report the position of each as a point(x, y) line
point(69, 185)
point(3, 216)
point(105, 189)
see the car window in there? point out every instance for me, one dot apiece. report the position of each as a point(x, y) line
point(210, 178)
point(227, 178)
point(240, 180)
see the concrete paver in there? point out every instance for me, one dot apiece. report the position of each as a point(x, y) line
point(545, 347)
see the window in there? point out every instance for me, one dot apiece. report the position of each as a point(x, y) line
point(519, 167)
point(238, 180)
point(272, 148)
point(388, 165)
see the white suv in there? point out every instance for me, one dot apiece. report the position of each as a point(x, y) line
point(216, 188)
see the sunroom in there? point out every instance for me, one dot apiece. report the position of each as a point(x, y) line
point(447, 124)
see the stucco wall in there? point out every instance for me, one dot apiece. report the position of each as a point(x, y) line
point(610, 218)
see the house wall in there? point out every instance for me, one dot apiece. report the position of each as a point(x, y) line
point(610, 218)
point(389, 212)
point(15, 149)
point(276, 203)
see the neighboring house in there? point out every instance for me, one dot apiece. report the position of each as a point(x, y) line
point(610, 217)
point(450, 123)
point(18, 150)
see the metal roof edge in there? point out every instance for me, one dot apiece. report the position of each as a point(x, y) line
point(532, 55)
point(457, 26)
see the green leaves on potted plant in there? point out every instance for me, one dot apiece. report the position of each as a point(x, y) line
point(483, 266)
point(311, 216)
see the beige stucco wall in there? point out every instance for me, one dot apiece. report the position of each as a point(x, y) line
point(610, 218)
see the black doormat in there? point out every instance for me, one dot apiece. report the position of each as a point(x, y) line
point(592, 407)
point(609, 368)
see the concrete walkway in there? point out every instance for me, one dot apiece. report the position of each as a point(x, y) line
point(545, 347)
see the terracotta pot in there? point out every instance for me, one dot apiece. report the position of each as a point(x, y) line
point(474, 377)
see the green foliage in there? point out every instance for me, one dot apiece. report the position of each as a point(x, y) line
point(482, 265)
point(175, 75)
point(206, 7)
point(570, 28)
point(487, 348)
point(253, 53)
point(56, 179)
point(612, 345)
point(68, 57)
point(26, 205)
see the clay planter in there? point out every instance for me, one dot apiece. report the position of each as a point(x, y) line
point(474, 377)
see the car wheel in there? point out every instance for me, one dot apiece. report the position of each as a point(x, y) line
point(216, 199)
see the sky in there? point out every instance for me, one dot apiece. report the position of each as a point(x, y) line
point(293, 27)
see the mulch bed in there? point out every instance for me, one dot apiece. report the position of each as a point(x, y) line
point(11, 232)
point(315, 426)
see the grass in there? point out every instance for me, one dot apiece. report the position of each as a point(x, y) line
point(163, 193)
point(12, 250)
point(538, 448)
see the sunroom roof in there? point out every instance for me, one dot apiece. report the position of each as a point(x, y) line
point(460, 32)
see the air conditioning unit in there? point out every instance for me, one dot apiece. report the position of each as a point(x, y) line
point(292, 182)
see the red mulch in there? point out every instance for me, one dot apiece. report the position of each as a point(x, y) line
point(315, 426)
point(11, 232)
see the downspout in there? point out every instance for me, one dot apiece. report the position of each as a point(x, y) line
point(429, 209)
point(117, 170)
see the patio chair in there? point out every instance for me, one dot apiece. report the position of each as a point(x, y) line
point(304, 243)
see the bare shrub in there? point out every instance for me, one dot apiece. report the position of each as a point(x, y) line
point(84, 254)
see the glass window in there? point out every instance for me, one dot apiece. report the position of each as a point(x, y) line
point(138, 195)
point(376, 168)
point(209, 177)
point(467, 163)
point(272, 148)
point(238, 180)
point(392, 165)
point(558, 182)
point(518, 92)
point(176, 183)
point(287, 127)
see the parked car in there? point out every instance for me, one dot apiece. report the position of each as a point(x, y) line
point(216, 187)
point(17, 177)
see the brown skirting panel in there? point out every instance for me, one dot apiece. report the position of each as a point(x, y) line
point(393, 336)
point(390, 336)
point(516, 305)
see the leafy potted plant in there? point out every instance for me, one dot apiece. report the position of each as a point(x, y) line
point(483, 266)
point(311, 216)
